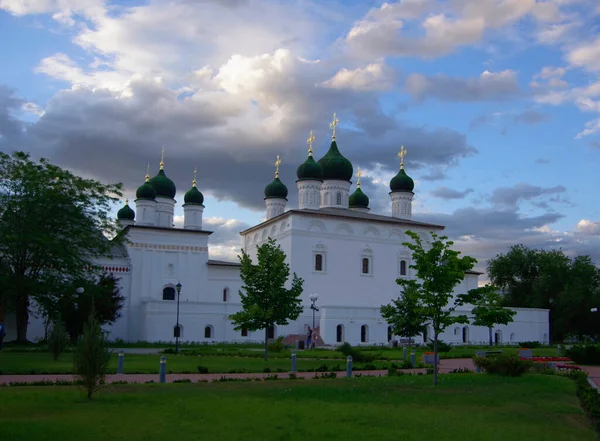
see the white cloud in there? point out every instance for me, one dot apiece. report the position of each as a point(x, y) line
point(591, 127)
point(586, 56)
point(589, 227)
point(371, 77)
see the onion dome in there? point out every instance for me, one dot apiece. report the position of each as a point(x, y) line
point(334, 166)
point(163, 186)
point(146, 190)
point(358, 199)
point(193, 195)
point(126, 213)
point(402, 182)
point(276, 189)
point(309, 170)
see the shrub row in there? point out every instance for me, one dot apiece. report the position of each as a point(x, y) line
point(588, 397)
point(585, 354)
point(504, 365)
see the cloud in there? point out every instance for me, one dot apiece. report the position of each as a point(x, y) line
point(449, 193)
point(530, 117)
point(588, 228)
point(371, 77)
point(511, 196)
point(542, 161)
point(10, 126)
point(488, 86)
point(586, 56)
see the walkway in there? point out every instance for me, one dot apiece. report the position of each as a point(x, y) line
point(445, 367)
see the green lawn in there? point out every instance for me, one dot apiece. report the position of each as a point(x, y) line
point(464, 407)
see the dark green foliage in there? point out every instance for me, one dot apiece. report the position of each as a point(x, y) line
point(202, 370)
point(585, 354)
point(530, 344)
point(404, 314)
point(588, 397)
point(92, 357)
point(265, 300)
point(52, 226)
point(503, 365)
point(461, 371)
point(357, 355)
point(442, 346)
point(58, 339)
point(277, 346)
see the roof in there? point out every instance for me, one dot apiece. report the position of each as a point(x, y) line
point(346, 214)
point(223, 263)
point(179, 230)
point(479, 273)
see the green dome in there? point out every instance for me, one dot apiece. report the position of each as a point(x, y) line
point(126, 213)
point(276, 189)
point(145, 191)
point(309, 170)
point(402, 182)
point(163, 186)
point(193, 196)
point(358, 199)
point(335, 166)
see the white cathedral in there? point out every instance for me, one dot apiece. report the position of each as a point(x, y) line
point(348, 257)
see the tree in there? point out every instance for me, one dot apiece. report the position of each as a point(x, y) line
point(58, 339)
point(92, 356)
point(53, 225)
point(488, 310)
point(404, 314)
point(438, 269)
point(266, 302)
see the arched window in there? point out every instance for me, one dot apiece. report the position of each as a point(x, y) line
point(244, 332)
point(365, 265)
point(364, 334)
point(498, 338)
point(425, 335)
point(465, 334)
point(513, 337)
point(225, 294)
point(338, 198)
point(208, 332)
point(456, 331)
point(318, 262)
point(339, 333)
point(169, 293)
point(389, 332)
point(271, 332)
point(403, 267)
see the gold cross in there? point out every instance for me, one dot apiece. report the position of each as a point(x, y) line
point(162, 159)
point(194, 181)
point(358, 175)
point(333, 124)
point(401, 155)
point(309, 141)
point(277, 166)
point(126, 201)
point(148, 172)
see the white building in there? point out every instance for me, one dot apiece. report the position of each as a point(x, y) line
point(348, 256)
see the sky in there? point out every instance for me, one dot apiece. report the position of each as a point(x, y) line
point(497, 103)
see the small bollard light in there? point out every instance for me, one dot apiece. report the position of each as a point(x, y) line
point(349, 366)
point(163, 370)
point(404, 353)
point(120, 362)
point(413, 359)
point(294, 362)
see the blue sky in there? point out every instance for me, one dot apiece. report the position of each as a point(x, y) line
point(496, 101)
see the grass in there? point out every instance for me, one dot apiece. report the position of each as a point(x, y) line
point(465, 406)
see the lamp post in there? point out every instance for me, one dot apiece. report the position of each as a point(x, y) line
point(313, 298)
point(79, 291)
point(177, 328)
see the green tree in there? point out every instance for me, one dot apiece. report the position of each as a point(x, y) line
point(265, 300)
point(439, 269)
point(58, 339)
point(488, 308)
point(53, 224)
point(404, 314)
point(92, 356)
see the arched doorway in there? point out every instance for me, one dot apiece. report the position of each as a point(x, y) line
point(389, 333)
point(339, 333)
point(498, 338)
point(465, 334)
point(364, 334)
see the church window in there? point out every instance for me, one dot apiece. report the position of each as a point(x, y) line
point(338, 198)
point(403, 267)
point(225, 294)
point(244, 332)
point(208, 332)
point(318, 262)
point(364, 334)
point(365, 265)
point(271, 332)
point(389, 333)
point(169, 293)
point(339, 333)
point(465, 334)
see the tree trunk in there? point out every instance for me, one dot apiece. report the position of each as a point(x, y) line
point(435, 359)
point(22, 317)
point(490, 332)
point(266, 343)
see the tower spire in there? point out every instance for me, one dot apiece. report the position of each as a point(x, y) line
point(277, 166)
point(194, 181)
point(358, 175)
point(148, 173)
point(401, 155)
point(162, 159)
point(332, 125)
point(309, 141)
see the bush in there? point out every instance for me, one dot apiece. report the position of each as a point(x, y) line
point(202, 370)
point(530, 344)
point(277, 345)
point(357, 356)
point(588, 397)
point(58, 339)
point(585, 354)
point(442, 346)
point(92, 356)
point(504, 365)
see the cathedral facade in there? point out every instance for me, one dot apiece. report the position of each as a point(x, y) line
point(348, 257)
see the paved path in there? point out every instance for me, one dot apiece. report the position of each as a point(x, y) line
point(445, 367)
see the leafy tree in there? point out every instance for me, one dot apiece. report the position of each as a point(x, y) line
point(92, 356)
point(52, 226)
point(439, 269)
point(58, 339)
point(266, 302)
point(404, 314)
point(488, 310)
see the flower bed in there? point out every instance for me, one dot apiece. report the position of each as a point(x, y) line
point(549, 359)
point(567, 367)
